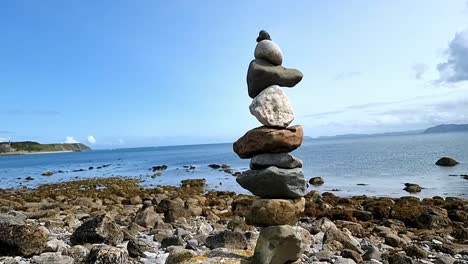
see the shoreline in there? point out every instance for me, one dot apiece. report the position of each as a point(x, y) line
point(18, 153)
point(187, 224)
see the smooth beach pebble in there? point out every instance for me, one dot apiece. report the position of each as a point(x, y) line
point(268, 50)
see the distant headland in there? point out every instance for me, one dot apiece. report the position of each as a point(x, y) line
point(31, 147)
point(444, 128)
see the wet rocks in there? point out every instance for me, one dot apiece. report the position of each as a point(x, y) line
point(99, 229)
point(446, 162)
point(265, 107)
point(274, 182)
point(262, 140)
point(412, 188)
point(19, 238)
point(316, 181)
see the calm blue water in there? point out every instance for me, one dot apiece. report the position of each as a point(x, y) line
point(384, 164)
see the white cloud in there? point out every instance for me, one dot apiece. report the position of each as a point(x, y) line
point(121, 141)
point(70, 140)
point(411, 114)
point(455, 69)
point(91, 139)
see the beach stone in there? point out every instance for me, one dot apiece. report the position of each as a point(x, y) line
point(415, 252)
point(274, 182)
point(20, 239)
point(433, 218)
point(180, 255)
point(262, 35)
point(78, 253)
point(316, 181)
point(147, 217)
point(269, 212)
point(446, 162)
point(272, 108)
point(263, 140)
point(52, 257)
point(351, 254)
point(270, 51)
point(137, 247)
point(399, 259)
point(394, 240)
point(99, 229)
point(262, 74)
point(227, 239)
point(277, 245)
point(279, 160)
point(104, 254)
point(334, 234)
point(412, 188)
point(172, 241)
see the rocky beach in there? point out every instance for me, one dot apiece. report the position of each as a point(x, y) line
point(106, 220)
point(115, 220)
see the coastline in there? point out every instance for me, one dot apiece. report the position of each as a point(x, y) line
point(187, 224)
point(17, 153)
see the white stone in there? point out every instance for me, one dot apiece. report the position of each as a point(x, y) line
point(272, 108)
point(268, 50)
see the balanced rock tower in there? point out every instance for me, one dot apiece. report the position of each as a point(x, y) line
point(275, 176)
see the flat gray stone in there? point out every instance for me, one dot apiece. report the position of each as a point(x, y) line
point(280, 160)
point(271, 107)
point(262, 74)
point(274, 183)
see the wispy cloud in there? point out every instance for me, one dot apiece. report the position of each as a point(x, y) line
point(346, 75)
point(408, 114)
point(324, 114)
point(36, 112)
point(5, 132)
point(91, 140)
point(455, 69)
point(419, 69)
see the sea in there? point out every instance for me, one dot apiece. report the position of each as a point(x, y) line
point(372, 166)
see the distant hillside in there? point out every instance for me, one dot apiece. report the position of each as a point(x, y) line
point(373, 135)
point(26, 147)
point(447, 128)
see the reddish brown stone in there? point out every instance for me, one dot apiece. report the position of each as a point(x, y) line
point(263, 139)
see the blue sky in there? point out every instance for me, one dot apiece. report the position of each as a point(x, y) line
point(144, 73)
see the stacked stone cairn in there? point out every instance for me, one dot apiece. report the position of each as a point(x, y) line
point(275, 176)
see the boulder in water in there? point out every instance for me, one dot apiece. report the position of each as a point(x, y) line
point(446, 162)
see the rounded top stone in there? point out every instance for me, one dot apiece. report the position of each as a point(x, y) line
point(262, 35)
point(268, 50)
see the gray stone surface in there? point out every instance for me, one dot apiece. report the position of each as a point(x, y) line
point(262, 74)
point(262, 35)
point(274, 182)
point(271, 107)
point(278, 245)
point(99, 229)
point(270, 51)
point(280, 160)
